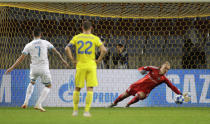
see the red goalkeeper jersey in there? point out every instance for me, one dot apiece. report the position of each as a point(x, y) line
point(151, 80)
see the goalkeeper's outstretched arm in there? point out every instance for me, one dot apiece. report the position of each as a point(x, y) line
point(169, 84)
point(17, 62)
point(143, 70)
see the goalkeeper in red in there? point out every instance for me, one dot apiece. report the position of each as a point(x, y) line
point(141, 89)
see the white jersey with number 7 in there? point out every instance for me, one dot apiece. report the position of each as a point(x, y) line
point(38, 50)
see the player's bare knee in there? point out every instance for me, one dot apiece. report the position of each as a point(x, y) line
point(33, 82)
point(48, 85)
point(141, 95)
point(89, 88)
point(125, 94)
point(77, 89)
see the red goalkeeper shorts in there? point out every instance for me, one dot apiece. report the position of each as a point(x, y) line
point(135, 88)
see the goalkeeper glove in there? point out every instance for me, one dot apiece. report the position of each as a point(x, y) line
point(187, 97)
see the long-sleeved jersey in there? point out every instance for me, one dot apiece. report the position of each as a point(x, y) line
point(150, 81)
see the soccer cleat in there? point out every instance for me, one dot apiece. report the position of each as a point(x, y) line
point(24, 106)
point(39, 108)
point(112, 105)
point(75, 113)
point(87, 114)
point(127, 106)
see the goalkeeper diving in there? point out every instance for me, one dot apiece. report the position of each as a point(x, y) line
point(141, 88)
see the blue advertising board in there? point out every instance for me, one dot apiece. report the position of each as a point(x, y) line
point(196, 82)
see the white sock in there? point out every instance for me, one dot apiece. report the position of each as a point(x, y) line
point(43, 96)
point(29, 91)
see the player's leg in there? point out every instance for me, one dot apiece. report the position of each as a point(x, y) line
point(130, 91)
point(139, 96)
point(91, 81)
point(79, 83)
point(46, 80)
point(120, 98)
point(88, 101)
point(29, 92)
point(42, 97)
point(30, 88)
point(76, 94)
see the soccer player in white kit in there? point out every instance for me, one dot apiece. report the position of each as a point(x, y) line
point(39, 67)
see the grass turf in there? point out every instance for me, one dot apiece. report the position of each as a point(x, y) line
point(148, 115)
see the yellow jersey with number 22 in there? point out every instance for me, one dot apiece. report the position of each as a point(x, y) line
point(85, 49)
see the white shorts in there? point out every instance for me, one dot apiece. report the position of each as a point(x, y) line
point(43, 73)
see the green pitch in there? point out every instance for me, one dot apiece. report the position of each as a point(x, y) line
point(149, 115)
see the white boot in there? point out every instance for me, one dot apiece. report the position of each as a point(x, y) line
point(87, 114)
point(75, 113)
point(39, 107)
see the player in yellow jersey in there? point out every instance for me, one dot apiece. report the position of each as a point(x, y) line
point(85, 64)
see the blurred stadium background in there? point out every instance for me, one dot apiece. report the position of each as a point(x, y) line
point(151, 32)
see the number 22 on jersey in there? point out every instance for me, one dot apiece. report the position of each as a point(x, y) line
point(88, 44)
